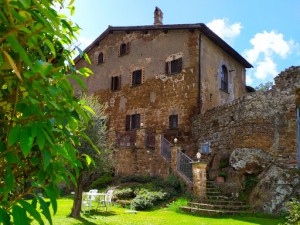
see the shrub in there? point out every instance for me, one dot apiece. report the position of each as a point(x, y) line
point(126, 193)
point(293, 217)
point(102, 182)
point(146, 199)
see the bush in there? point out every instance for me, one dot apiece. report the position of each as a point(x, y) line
point(147, 199)
point(101, 182)
point(126, 193)
point(293, 217)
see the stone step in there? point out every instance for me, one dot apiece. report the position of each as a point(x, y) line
point(218, 206)
point(217, 197)
point(212, 189)
point(222, 202)
point(211, 211)
point(213, 193)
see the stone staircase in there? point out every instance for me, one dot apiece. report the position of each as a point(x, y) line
point(216, 204)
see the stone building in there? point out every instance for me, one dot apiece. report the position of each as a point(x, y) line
point(183, 82)
point(159, 76)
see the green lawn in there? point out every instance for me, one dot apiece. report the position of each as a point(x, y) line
point(163, 216)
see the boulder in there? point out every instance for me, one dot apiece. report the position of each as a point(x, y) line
point(249, 160)
point(275, 187)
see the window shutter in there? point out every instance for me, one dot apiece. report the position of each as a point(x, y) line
point(112, 83)
point(128, 45)
point(167, 67)
point(127, 122)
point(119, 83)
point(137, 120)
point(179, 64)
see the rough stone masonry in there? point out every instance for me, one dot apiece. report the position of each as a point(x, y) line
point(257, 122)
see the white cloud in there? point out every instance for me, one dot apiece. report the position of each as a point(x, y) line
point(225, 30)
point(249, 79)
point(267, 46)
point(265, 68)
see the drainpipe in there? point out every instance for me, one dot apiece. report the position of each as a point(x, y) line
point(199, 103)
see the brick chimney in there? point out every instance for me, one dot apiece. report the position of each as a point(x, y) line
point(158, 16)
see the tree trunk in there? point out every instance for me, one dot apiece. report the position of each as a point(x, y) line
point(77, 201)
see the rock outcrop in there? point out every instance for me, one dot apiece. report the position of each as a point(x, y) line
point(275, 187)
point(249, 160)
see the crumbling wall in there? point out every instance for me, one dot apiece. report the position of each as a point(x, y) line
point(256, 136)
point(264, 120)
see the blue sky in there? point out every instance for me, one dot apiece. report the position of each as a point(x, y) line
point(265, 32)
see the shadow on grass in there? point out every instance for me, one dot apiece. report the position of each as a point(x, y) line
point(255, 218)
point(93, 213)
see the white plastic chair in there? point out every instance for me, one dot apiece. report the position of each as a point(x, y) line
point(106, 202)
point(87, 199)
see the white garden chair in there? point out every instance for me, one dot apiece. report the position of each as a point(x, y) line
point(106, 201)
point(87, 199)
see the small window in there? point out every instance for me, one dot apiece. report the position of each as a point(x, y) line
point(224, 78)
point(137, 77)
point(174, 66)
point(132, 121)
point(116, 83)
point(173, 121)
point(205, 149)
point(100, 58)
point(124, 48)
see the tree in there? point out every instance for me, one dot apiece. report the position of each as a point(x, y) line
point(264, 86)
point(40, 119)
point(102, 159)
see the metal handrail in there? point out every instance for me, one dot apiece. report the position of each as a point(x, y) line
point(184, 165)
point(165, 149)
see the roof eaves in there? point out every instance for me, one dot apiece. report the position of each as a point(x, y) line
point(201, 26)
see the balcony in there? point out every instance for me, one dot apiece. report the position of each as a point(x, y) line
point(139, 138)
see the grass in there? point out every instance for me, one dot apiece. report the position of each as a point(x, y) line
point(162, 216)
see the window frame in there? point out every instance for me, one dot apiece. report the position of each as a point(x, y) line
point(173, 121)
point(124, 48)
point(137, 77)
point(174, 66)
point(224, 78)
point(133, 121)
point(100, 56)
point(115, 83)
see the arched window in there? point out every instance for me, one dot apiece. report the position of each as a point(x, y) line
point(224, 78)
point(123, 49)
point(100, 58)
point(173, 121)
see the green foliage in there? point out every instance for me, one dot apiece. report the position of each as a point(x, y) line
point(250, 182)
point(174, 206)
point(124, 194)
point(40, 121)
point(264, 86)
point(222, 174)
point(293, 217)
point(146, 199)
point(101, 182)
point(223, 164)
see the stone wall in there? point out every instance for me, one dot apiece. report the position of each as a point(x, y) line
point(161, 95)
point(139, 162)
point(256, 137)
point(264, 120)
